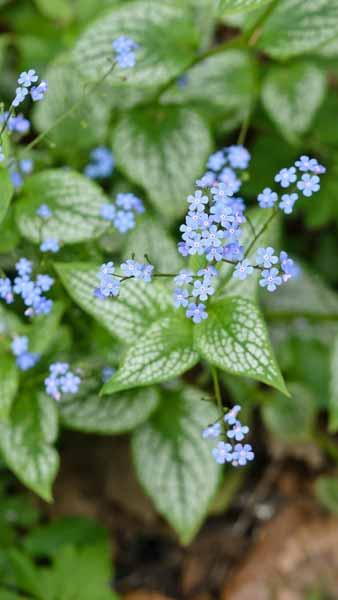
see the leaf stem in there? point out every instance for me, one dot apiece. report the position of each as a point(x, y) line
point(217, 389)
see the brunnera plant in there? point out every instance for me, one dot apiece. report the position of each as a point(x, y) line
point(163, 312)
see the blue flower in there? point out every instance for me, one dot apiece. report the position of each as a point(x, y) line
point(44, 211)
point(24, 267)
point(222, 213)
point(19, 345)
point(27, 360)
point(131, 268)
point(222, 453)
point(207, 180)
point(233, 252)
point(38, 92)
point(265, 257)
point(195, 244)
point(107, 211)
point(287, 203)
point(146, 273)
point(107, 269)
point(69, 383)
point(286, 176)
point(109, 286)
point(196, 312)
point(183, 248)
point(44, 282)
point(18, 124)
point(288, 266)
point(202, 289)
point(50, 245)
point(26, 78)
point(184, 277)
point(124, 220)
point(231, 416)
point(230, 180)
point(216, 161)
point(213, 236)
point(242, 454)
point(212, 431)
point(197, 201)
point(6, 290)
point(20, 95)
point(220, 192)
point(129, 202)
point(208, 273)
point(238, 157)
point(267, 198)
point(270, 279)
point(238, 432)
point(180, 297)
point(305, 163)
point(107, 373)
point(233, 233)
point(124, 48)
point(243, 270)
point(309, 184)
point(214, 253)
point(101, 163)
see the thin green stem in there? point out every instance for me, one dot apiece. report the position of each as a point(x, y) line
point(70, 110)
point(217, 389)
point(254, 33)
point(261, 231)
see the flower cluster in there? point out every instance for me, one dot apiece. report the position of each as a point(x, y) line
point(101, 163)
point(122, 213)
point(18, 169)
point(30, 291)
point(303, 178)
point(237, 454)
point(267, 261)
point(194, 286)
point(15, 123)
point(26, 80)
point(110, 282)
point(61, 380)
point(124, 49)
point(24, 359)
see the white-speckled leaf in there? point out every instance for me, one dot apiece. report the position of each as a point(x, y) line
point(163, 149)
point(299, 26)
point(167, 40)
point(9, 381)
point(291, 95)
point(74, 200)
point(130, 314)
point(231, 6)
point(333, 400)
point(117, 413)
point(235, 338)
point(152, 238)
point(221, 84)
point(174, 463)
point(87, 125)
point(163, 352)
point(26, 442)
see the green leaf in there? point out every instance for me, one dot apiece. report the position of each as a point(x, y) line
point(87, 411)
point(174, 463)
point(333, 398)
point(167, 42)
point(164, 351)
point(231, 6)
point(234, 338)
point(26, 574)
point(6, 192)
point(26, 442)
point(291, 95)
point(305, 296)
point(128, 316)
point(297, 27)
point(221, 85)
point(326, 489)
point(292, 418)
point(60, 10)
point(74, 200)
point(9, 381)
point(49, 325)
point(163, 149)
point(86, 126)
point(151, 237)
point(46, 540)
